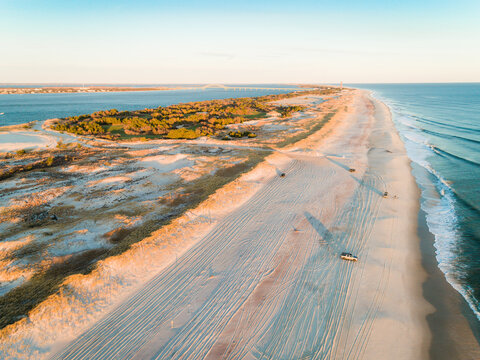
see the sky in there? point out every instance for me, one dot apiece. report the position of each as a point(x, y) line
point(212, 41)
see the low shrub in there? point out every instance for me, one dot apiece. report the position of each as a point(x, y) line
point(182, 133)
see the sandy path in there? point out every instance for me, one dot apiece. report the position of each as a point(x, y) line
point(255, 288)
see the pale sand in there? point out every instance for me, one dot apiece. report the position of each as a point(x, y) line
point(24, 140)
point(255, 288)
point(248, 285)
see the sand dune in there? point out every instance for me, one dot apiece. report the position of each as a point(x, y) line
point(267, 281)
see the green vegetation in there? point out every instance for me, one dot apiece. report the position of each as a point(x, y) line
point(239, 134)
point(182, 121)
point(182, 133)
point(49, 161)
point(286, 111)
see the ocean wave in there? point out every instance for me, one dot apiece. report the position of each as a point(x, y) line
point(416, 136)
point(417, 121)
point(450, 136)
point(420, 158)
point(407, 121)
point(442, 222)
point(438, 201)
point(448, 154)
point(441, 124)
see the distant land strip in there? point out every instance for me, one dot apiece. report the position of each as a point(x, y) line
point(41, 89)
point(78, 89)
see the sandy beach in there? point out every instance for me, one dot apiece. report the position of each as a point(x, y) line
point(24, 140)
point(267, 281)
point(255, 272)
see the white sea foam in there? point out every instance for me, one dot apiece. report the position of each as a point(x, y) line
point(437, 200)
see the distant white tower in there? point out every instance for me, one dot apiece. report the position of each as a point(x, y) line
point(341, 84)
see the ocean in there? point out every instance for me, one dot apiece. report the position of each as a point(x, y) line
point(23, 108)
point(440, 125)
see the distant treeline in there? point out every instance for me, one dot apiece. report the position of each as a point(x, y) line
point(182, 121)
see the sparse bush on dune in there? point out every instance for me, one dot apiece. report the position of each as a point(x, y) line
point(286, 111)
point(117, 235)
point(239, 134)
point(38, 162)
point(49, 161)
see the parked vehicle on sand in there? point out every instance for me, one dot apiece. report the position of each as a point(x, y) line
point(348, 256)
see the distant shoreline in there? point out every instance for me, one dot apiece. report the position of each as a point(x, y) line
point(59, 89)
point(77, 89)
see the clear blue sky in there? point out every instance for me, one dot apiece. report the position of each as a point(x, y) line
point(192, 41)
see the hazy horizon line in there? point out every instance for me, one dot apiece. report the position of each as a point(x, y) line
point(235, 83)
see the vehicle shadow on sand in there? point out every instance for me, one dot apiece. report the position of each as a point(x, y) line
point(362, 182)
point(338, 163)
point(325, 234)
point(367, 186)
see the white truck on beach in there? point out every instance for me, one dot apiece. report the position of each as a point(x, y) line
point(348, 256)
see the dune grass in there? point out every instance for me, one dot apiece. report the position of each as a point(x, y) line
point(20, 300)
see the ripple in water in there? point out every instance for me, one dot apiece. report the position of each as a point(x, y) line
point(440, 125)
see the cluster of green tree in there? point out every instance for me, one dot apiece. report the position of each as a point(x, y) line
point(181, 121)
point(81, 128)
point(239, 134)
point(182, 133)
point(286, 111)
